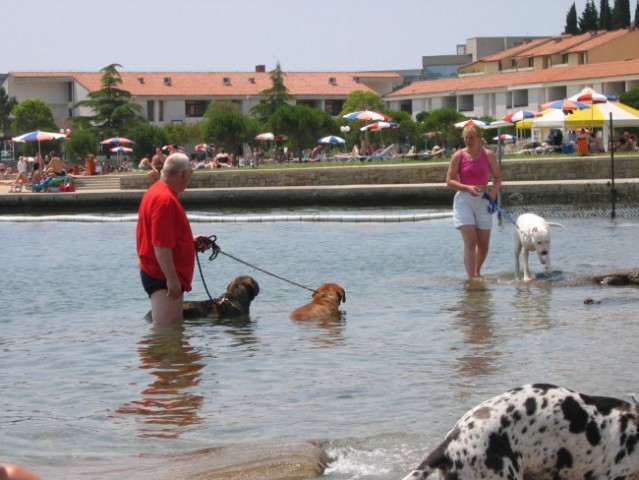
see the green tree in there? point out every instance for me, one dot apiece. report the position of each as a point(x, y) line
point(630, 98)
point(147, 139)
point(440, 126)
point(218, 106)
point(362, 100)
point(572, 27)
point(636, 22)
point(621, 14)
point(33, 114)
point(80, 144)
point(7, 104)
point(302, 124)
point(605, 15)
point(274, 97)
point(228, 129)
point(355, 102)
point(114, 111)
point(407, 133)
point(589, 19)
point(183, 133)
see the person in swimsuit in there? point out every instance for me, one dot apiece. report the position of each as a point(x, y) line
point(468, 174)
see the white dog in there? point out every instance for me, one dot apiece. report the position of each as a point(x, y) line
point(532, 234)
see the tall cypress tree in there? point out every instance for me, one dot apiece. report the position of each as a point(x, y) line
point(571, 21)
point(589, 20)
point(605, 15)
point(636, 24)
point(621, 14)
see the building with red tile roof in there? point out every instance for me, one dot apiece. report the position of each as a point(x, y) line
point(175, 97)
point(530, 74)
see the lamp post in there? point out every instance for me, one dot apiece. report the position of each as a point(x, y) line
point(344, 129)
point(67, 134)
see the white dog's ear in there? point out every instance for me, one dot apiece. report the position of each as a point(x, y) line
point(534, 230)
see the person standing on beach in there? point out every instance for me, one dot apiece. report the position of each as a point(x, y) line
point(165, 243)
point(468, 173)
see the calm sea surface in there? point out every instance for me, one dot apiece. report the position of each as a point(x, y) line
point(87, 384)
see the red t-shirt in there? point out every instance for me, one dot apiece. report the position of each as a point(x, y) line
point(162, 222)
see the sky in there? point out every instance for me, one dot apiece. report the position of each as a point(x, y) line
point(237, 35)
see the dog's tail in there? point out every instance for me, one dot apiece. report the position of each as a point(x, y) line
point(555, 224)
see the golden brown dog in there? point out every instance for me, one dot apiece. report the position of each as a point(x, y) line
point(325, 303)
point(236, 301)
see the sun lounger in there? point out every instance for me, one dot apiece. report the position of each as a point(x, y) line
point(381, 154)
point(51, 182)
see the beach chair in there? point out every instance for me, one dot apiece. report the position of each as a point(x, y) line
point(381, 154)
point(51, 182)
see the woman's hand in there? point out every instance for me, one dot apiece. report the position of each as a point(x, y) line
point(474, 190)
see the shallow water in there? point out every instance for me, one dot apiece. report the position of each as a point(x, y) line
point(88, 383)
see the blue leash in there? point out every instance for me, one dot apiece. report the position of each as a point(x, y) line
point(493, 207)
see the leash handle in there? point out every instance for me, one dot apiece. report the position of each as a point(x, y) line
point(493, 207)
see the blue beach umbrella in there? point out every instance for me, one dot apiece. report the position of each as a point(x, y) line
point(331, 139)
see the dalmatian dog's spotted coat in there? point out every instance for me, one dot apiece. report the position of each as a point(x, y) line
point(540, 432)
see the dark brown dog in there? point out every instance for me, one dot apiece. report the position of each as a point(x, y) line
point(236, 301)
point(325, 303)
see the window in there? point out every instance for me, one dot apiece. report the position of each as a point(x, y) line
point(160, 110)
point(150, 110)
point(333, 107)
point(195, 108)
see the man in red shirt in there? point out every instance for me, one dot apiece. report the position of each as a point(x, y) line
point(165, 243)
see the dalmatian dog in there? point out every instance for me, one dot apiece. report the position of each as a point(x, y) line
point(532, 233)
point(537, 432)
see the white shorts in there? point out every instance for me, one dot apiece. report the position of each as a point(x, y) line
point(471, 210)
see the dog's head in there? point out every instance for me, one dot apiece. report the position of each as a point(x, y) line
point(540, 237)
point(331, 291)
point(243, 288)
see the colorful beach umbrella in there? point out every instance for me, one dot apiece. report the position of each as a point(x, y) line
point(599, 115)
point(367, 116)
point(201, 147)
point(565, 105)
point(550, 118)
point(38, 136)
point(588, 95)
point(269, 136)
point(520, 115)
point(379, 126)
point(504, 137)
point(116, 141)
point(472, 121)
point(332, 139)
point(121, 149)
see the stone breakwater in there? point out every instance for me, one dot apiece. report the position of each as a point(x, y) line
point(524, 169)
point(563, 180)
